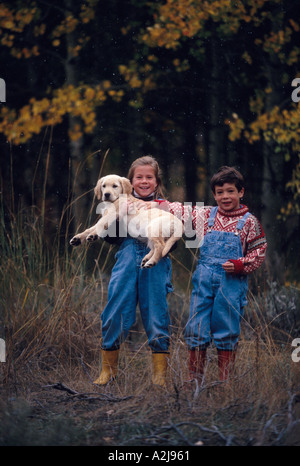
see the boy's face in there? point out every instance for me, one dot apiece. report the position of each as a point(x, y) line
point(228, 197)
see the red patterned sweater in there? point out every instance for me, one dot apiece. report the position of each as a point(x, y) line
point(252, 237)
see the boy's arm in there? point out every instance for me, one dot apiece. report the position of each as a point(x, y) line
point(255, 246)
point(176, 208)
point(193, 218)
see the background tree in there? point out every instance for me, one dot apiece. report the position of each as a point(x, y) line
point(245, 55)
point(197, 84)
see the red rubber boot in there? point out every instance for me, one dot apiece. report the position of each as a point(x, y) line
point(196, 364)
point(226, 361)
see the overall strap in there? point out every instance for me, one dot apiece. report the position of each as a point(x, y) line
point(211, 219)
point(241, 222)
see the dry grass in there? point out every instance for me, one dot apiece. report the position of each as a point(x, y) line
point(51, 298)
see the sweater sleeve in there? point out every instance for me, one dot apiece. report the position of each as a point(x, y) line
point(193, 218)
point(179, 210)
point(254, 247)
point(176, 208)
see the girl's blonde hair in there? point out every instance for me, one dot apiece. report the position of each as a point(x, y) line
point(149, 160)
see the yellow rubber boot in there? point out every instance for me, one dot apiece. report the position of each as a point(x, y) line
point(160, 365)
point(109, 367)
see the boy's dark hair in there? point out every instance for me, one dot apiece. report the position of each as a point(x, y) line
point(227, 175)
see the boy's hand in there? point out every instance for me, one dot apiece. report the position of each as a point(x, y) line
point(228, 267)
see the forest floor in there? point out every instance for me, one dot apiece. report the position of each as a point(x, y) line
point(61, 406)
point(51, 326)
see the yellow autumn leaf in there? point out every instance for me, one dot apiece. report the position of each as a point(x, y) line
point(89, 93)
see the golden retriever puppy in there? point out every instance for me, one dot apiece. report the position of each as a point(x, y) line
point(160, 229)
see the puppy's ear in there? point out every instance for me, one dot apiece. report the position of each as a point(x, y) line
point(97, 189)
point(126, 186)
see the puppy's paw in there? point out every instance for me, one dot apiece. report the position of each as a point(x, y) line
point(147, 264)
point(144, 261)
point(92, 238)
point(75, 241)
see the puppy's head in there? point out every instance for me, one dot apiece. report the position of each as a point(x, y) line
point(110, 187)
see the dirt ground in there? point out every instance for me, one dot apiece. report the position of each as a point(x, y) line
point(44, 409)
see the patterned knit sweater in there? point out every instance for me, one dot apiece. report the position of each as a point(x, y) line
point(252, 237)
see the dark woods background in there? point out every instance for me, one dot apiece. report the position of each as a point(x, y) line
point(173, 95)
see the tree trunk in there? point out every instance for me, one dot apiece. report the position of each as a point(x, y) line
point(215, 136)
point(78, 176)
point(272, 190)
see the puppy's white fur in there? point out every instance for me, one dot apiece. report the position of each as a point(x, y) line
point(158, 228)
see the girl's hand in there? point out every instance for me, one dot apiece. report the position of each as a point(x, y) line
point(143, 204)
point(228, 267)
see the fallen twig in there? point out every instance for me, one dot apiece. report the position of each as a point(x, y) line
point(290, 416)
point(186, 440)
point(291, 422)
point(213, 430)
point(162, 430)
point(61, 386)
point(86, 396)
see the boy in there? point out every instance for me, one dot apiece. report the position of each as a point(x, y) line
point(233, 245)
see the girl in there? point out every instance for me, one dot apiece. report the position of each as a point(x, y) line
point(130, 284)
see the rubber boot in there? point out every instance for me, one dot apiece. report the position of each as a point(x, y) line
point(160, 365)
point(226, 361)
point(109, 367)
point(196, 364)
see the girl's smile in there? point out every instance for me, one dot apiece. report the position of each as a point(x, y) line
point(144, 181)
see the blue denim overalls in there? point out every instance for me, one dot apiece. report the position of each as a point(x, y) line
point(129, 285)
point(218, 297)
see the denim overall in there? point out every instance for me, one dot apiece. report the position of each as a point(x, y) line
point(218, 297)
point(129, 285)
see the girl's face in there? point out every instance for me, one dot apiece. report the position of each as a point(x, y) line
point(144, 180)
point(228, 197)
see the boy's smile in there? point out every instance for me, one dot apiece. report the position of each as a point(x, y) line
point(228, 197)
